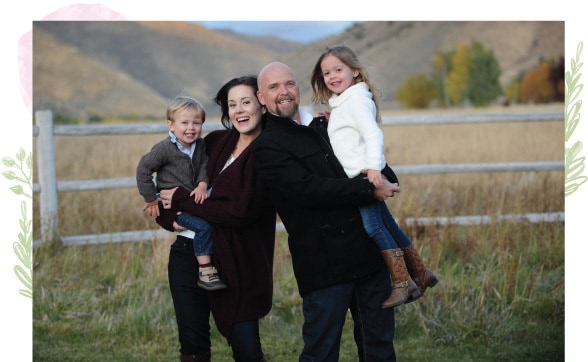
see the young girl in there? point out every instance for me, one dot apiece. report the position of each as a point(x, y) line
point(338, 79)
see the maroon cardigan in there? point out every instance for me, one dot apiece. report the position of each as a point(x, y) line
point(243, 222)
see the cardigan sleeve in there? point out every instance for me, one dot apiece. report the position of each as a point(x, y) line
point(149, 164)
point(201, 159)
point(227, 206)
point(167, 217)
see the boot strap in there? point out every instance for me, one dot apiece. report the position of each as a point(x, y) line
point(403, 284)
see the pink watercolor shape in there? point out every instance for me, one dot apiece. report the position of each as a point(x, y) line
point(25, 44)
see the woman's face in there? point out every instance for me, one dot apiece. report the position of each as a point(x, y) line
point(244, 109)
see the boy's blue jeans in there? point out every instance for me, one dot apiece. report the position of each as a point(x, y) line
point(382, 228)
point(203, 237)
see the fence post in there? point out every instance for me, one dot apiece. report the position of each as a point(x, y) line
point(47, 179)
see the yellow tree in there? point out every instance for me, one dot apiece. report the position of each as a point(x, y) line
point(441, 66)
point(457, 79)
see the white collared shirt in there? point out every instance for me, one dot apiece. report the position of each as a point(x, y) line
point(189, 152)
point(305, 117)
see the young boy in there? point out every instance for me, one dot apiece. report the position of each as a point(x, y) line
point(181, 160)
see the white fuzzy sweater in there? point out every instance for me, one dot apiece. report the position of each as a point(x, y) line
point(355, 136)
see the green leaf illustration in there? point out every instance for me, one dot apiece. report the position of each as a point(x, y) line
point(22, 173)
point(574, 163)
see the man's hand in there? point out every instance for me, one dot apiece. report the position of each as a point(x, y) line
point(386, 190)
point(375, 177)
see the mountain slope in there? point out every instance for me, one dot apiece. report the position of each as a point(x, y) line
point(166, 58)
point(133, 68)
point(71, 83)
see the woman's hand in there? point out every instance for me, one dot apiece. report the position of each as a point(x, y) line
point(166, 197)
point(177, 227)
point(326, 114)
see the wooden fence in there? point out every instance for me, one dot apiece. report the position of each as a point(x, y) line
point(48, 186)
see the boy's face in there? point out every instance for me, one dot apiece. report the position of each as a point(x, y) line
point(187, 126)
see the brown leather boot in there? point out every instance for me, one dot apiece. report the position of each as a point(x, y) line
point(403, 287)
point(417, 269)
point(195, 357)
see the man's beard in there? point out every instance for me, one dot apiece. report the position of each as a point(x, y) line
point(289, 111)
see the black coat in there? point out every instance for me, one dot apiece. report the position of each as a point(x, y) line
point(317, 203)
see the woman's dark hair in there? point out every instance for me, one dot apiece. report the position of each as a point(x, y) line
point(222, 97)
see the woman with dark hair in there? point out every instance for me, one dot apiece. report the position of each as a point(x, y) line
point(243, 223)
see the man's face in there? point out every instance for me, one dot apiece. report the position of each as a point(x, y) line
point(278, 91)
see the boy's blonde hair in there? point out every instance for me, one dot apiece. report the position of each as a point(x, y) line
point(182, 102)
point(320, 92)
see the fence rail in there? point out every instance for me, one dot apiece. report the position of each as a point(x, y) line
point(48, 186)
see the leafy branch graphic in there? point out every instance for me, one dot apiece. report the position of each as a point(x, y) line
point(574, 166)
point(23, 248)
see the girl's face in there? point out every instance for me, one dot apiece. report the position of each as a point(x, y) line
point(337, 75)
point(187, 126)
point(244, 109)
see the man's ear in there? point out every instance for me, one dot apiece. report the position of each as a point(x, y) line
point(260, 98)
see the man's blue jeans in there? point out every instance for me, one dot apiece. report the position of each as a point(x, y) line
point(325, 311)
point(202, 229)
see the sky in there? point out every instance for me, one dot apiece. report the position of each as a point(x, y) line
point(300, 31)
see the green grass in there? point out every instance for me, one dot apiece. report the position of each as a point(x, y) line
point(500, 298)
point(501, 290)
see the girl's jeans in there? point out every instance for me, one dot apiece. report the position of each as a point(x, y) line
point(382, 228)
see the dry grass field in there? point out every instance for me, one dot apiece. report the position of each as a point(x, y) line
point(497, 281)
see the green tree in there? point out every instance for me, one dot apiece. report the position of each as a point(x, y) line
point(483, 76)
point(467, 73)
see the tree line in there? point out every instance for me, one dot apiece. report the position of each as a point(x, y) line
point(469, 75)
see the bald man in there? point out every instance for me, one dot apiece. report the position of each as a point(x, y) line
point(336, 265)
